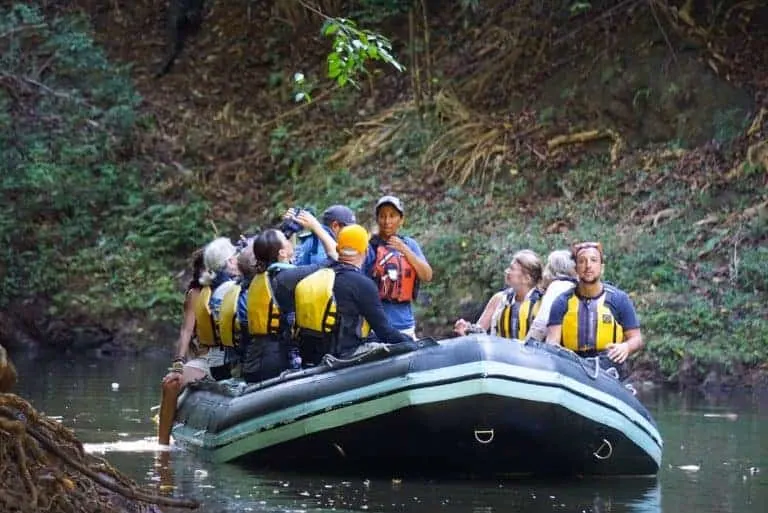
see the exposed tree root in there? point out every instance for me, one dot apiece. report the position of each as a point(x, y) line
point(377, 135)
point(43, 467)
point(476, 145)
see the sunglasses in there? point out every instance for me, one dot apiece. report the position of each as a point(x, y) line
point(579, 246)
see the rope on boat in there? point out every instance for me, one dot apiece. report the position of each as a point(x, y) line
point(43, 467)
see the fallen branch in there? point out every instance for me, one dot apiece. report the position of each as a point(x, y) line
point(757, 123)
point(579, 137)
point(661, 29)
point(661, 215)
point(21, 29)
point(757, 154)
point(755, 210)
point(43, 87)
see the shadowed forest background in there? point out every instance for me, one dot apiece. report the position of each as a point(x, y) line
point(532, 123)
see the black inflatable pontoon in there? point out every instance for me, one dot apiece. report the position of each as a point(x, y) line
point(474, 405)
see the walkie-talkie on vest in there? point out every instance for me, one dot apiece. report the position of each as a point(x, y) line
point(395, 275)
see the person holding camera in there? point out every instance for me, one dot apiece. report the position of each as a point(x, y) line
point(311, 249)
point(396, 264)
point(302, 219)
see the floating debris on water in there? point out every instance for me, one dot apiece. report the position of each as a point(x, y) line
point(729, 416)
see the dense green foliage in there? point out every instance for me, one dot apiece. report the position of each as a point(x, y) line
point(90, 222)
point(697, 288)
point(81, 218)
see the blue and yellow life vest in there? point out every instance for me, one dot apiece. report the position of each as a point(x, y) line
point(316, 306)
point(525, 315)
point(263, 311)
point(229, 327)
point(603, 331)
point(208, 311)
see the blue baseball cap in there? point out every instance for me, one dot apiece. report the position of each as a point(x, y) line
point(340, 214)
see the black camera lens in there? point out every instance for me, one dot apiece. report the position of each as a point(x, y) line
point(289, 227)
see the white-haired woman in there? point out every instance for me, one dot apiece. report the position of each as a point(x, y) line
point(559, 277)
point(219, 272)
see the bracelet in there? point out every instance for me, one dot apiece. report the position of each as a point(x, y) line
point(474, 328)
point(177, 366)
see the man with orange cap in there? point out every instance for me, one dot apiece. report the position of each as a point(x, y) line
point(338, 305)
point(595, 318)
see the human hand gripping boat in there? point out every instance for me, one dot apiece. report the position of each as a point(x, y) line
point(469, 406)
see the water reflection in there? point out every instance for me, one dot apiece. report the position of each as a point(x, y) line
point(228, 488)
point(715, 459)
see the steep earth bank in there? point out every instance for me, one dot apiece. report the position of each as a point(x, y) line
point(645, 130)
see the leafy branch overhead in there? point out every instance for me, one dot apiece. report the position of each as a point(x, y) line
point(352, 50)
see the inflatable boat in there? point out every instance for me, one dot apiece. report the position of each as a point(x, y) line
point(468, 406)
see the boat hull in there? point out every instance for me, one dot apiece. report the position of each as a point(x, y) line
point(475, 406)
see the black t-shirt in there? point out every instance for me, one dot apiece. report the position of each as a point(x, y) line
point(357, 296)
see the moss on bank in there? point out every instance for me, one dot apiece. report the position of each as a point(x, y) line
point(89, 229)
point(127, 188)
point(689, 246)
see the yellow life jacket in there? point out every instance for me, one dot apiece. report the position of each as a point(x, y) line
point(316, 306)
point(527, 312)
point(263, 311)
point(608, 330)
point(204, 325)
point(228, 325)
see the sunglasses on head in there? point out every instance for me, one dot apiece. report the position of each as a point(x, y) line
point(579, 246)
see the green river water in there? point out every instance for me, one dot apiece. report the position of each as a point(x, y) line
point(715, 456)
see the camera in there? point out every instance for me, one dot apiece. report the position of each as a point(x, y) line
point(289, 227)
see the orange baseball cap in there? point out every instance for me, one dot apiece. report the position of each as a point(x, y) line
point(352, 240)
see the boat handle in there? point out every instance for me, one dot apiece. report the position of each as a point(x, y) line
point(484, 436)
point(598, 453)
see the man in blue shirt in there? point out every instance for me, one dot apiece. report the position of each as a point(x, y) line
point(396, 264)
point(595, 317)
point(310, 250)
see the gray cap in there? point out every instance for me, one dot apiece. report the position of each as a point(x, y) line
point(390, 200)
point(340, 214)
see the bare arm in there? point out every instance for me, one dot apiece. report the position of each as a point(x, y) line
point(187, 324)
point(485, 318)
point(461, 326)
point(422, 267)
point(554, 334)
point(633, 343)
point(307, 220)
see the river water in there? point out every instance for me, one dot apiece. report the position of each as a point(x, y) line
point(715, 456)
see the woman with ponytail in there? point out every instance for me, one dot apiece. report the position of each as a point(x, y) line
point(265, 333)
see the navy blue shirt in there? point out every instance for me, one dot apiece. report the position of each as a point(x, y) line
point(618, 302)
